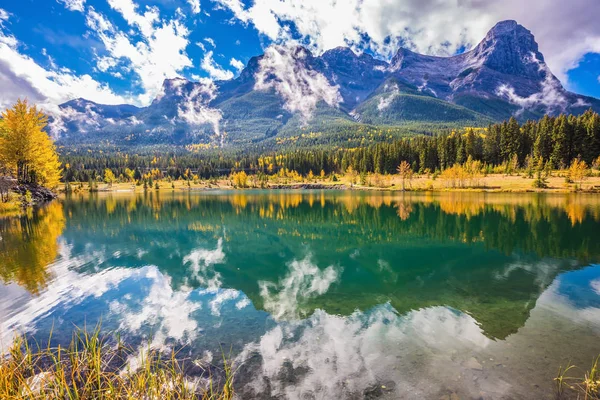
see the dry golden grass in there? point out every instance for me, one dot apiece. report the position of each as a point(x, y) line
point(491, 183)
point(90, 368)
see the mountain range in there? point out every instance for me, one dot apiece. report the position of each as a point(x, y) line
point(288, 90)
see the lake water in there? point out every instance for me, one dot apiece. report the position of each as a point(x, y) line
point(322, 295)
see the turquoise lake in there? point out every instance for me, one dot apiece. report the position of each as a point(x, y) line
point(321, 294)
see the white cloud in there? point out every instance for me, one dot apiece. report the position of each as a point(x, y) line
point(325, 24)
point(564, 30)
point(581, 103)
point(282, 69)
point(73, 5)
point(71, 289)
point(243, 303)
point(23, 77)
point(595, 284)
point(158, 56)
point(210, 41)
point(201, 262)
point(105, 63)
point(222, 296)
point(50, 59)
point(342, 357)
point(144, 22)
point(195, 4)
point(303, 281)
point(237, 64)
point(4, 15)
point(195, 110)
point(85, 120)
point(215, 70)
point(166, 309)
point(97, 21)
point(385, 102)
point(551, 95)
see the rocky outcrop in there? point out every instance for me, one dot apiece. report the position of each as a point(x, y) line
point(7, 183)
point(39, 194)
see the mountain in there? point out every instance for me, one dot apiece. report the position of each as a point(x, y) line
point(287, 91)
point(504, 75)
point(82, 116)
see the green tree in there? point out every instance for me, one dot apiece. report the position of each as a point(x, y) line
point(510, 139)
point(491, 145)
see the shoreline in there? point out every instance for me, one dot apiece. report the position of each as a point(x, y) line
point(556, 182)
point(346, 187)
point(514, 184)
point(24, 197)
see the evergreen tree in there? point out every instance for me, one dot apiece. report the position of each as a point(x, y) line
point(510, 139)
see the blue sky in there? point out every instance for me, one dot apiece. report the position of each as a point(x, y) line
point(113, 51)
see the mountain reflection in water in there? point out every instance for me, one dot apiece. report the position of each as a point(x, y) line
point(322, 294)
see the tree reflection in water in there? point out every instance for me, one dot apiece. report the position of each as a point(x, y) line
point(29, 244)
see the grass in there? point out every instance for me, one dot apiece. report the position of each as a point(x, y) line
point(92, 367)
point(586, 388)
point(496, 182)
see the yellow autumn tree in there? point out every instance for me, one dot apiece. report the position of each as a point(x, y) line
point(240, 179)
point(26, 150)
point(578, 172)
point(405, 172)
point(109, 177)
point(130, 174)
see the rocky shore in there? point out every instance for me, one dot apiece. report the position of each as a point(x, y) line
point(39, 194)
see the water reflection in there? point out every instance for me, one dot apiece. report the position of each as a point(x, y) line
point(329, 356)
point(29, 244)
point(430, 353)
point(321, 294)
point(303, 282)
point(542, 224)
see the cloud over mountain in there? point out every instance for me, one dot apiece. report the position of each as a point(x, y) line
point(288, 89)
point(284, 70)
point(121, 51)
point(566, 30)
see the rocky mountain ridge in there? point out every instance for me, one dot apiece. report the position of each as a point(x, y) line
point(290, 89)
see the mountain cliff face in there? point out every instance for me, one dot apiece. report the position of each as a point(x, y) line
point(507, 55)
point(287, 89)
